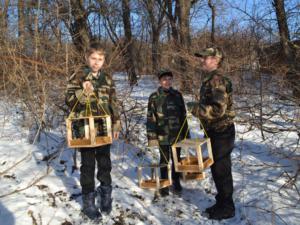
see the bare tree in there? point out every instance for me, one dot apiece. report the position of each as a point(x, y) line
point(156, 13)
point(213, 16)
point(286, 48)
point(79, 29)
point(129, 45)
point(4, 15)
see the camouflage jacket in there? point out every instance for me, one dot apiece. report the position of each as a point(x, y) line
point(103, 102)
point(166, 114)
point(215, 108)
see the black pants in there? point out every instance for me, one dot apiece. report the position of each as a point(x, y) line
point(89, 156)
point(222, 146)
point(165, 151)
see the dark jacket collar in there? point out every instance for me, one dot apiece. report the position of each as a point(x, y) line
point(161, 90)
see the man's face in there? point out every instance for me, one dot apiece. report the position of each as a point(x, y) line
point(209, 63)
point(166, 81)
point(95, 61)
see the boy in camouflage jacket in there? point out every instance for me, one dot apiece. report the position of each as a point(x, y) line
point(166, 115)
point(215, 110)
point(91, 84)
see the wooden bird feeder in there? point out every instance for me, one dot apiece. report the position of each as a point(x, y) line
point(187, 176)
point(92, 137)
point(198, 156)
point(153, 181)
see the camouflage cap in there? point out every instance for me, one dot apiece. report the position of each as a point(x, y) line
point(164, 72)
point(210, 52)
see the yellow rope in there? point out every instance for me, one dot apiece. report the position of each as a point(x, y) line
point(75, 104)
point(98, 101)
point(201, 124)
point(88, 105)
point(203, 129)
point(163, 154)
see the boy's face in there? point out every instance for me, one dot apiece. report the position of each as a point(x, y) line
point(95, 61)
point(166, 81)
point(209, 63)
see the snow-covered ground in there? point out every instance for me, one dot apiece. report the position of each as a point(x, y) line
point(38, 183)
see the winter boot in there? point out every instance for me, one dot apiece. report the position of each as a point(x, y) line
point(213, 208)
point(177, 187)
point(164, 192)
point(222, 213)
point(89, 209)
point(104, 200)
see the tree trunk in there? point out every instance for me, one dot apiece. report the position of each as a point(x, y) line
point(213, 16)
point(173, 19)
point(156, 26)
point(129, 53)
point(21, 23)
point(184, 24)
point(286, 48)
point(79, 29)
point(4, 16)
point(155, 51)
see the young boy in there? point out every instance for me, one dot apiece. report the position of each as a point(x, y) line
point(166, 115)
point(90, 85)
point(215, 109)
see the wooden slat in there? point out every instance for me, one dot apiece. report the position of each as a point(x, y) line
point(207, 162)
point(193, 176)
point(103, 140)
point(153, 165)
point(151, 184)
point(87, 117)
point(190, 142)
point(188, 168)
point(80, 142)
point(192, 160)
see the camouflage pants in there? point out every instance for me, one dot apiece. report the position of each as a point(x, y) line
point(89, 156)
point(222, 146)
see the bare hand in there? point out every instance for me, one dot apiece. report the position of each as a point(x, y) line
point(116, 135)
point(88, 87)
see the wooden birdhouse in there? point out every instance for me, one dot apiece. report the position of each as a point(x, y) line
point(95, 131)
point(149, 176)
point(197, 156)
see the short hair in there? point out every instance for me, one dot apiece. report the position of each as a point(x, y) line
point(95, 47)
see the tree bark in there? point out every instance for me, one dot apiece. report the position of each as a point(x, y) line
point(129, 53)
point(287, 50)
point(184, 23)
point(80, 32)
point(4, 16)
point(156, 26)
point(213, 16)
point(21, 23)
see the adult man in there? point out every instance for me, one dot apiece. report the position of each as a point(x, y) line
point(216, 114)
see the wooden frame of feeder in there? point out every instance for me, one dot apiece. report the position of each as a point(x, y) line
point(90, 139)
point(154, 182)
point(187, 176)
point(193, 165)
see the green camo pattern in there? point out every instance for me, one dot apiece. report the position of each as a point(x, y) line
point(215, 108)
point(165, 116)
point(105, 95)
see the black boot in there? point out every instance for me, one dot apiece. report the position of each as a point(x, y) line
point(177, 187)
point(164, 192)
point(104, 200)
point(88, 206)
point(213, 208)
point(222, 213)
